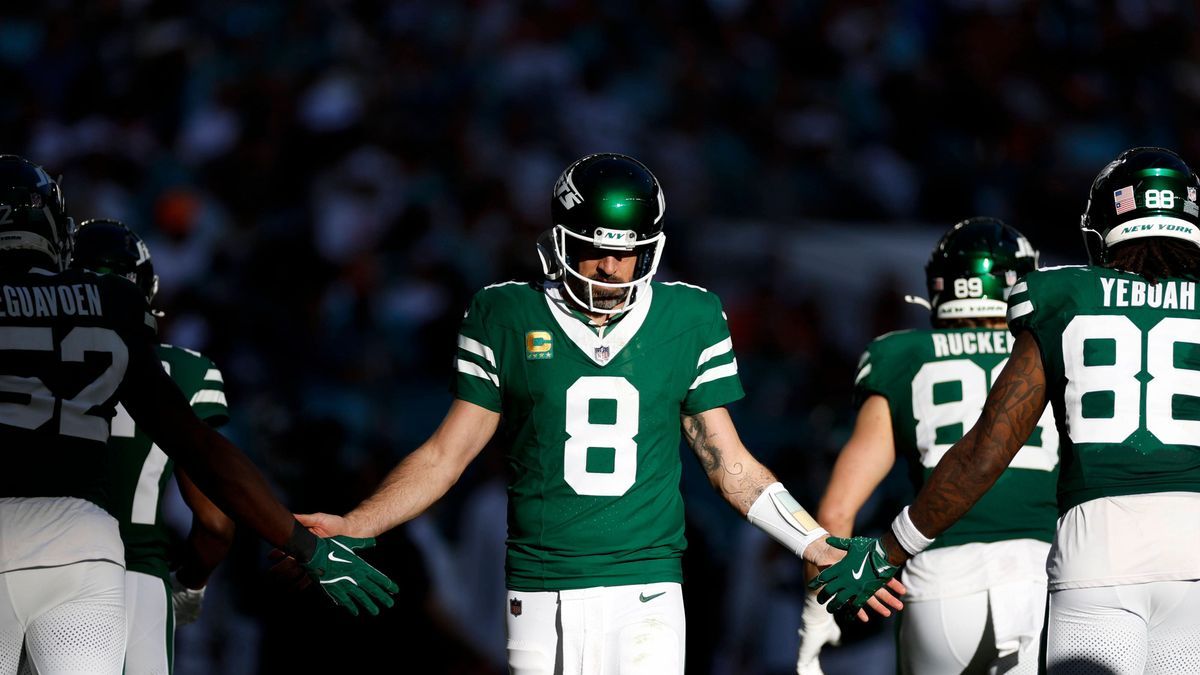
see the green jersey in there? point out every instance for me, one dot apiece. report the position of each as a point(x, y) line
point(1121, 358)
point(65, 342)
point(935, 383)
point(591, 417)
point(138, 470)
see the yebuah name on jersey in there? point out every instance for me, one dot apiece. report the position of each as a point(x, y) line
point(1137, 293)
point(1122, 355)
point(50, 301)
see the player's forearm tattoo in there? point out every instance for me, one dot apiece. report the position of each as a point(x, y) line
point(973, 465)
point(739, 484)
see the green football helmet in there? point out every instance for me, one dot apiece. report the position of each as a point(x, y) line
point(1144, 192)
point(611, 202)
point(973, 268)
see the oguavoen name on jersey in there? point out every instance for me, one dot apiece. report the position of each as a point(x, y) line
point(50, 301)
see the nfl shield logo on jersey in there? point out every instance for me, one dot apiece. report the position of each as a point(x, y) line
point(602, 353)
point(514, 606)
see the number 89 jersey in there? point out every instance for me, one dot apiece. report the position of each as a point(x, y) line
point(936, 382)
point(1123, 357)
point(591, 420)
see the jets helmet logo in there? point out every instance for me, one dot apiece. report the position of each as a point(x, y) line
point(565, 192)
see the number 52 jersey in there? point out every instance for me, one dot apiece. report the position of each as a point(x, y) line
point(591, 418)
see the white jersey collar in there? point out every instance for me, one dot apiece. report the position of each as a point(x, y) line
point(602, 349)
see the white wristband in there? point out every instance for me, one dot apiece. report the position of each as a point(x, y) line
point(907, 534)
point(777, 513)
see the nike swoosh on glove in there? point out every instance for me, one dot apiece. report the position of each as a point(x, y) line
point(852, 580)
point(347, 579)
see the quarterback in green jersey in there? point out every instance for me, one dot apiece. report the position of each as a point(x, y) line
point(976, 598)
point(593, 371)
point(156, 599)
point(1115, 346)
point(73, 344)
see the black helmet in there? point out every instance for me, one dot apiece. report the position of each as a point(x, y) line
point(108, 246)
point(1144, 192)
point(612, 202)
point(973, 267)
point(33, 213)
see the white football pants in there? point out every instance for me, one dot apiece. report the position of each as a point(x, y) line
point(610, 630)
point(150, 622)
point(70, 619)
point(958, 635)
point(1151, 628)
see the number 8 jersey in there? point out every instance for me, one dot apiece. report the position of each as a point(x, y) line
point(1122, 363)
point(591, 417)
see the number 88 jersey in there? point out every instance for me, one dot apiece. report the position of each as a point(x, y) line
point(935, 383)
point(1123, 357)
point(591, 418)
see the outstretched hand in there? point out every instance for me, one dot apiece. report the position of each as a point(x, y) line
point(347, 579)
point(858, 578)
point(325, 524)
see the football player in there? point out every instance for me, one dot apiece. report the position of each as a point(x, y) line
point(976, 600)
point(1116, 346)
point(156, 599)
point(594, 370)
point(73, 344)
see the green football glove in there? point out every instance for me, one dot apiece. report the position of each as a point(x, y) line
point(347, 579)
point(853, 579)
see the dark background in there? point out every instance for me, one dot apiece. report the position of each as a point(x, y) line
point(324, 184)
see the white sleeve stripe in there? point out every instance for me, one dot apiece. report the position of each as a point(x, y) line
point(863, 373)
point(473, 369)
point(720, 372)
point(214, 375)
point(1020, 309)
point(714, 351)
point(1021, 287)
point(478, 348)
point(209, 396)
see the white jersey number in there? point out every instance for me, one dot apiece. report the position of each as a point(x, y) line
point(1117, 382)
point(583, 434)
point(968, 386)
point(145, 496)
point(75, 418)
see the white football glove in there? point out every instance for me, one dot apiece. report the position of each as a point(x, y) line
point(186, 602)
point(818, 630)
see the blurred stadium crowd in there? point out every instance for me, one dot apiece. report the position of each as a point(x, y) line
point(324, 184)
